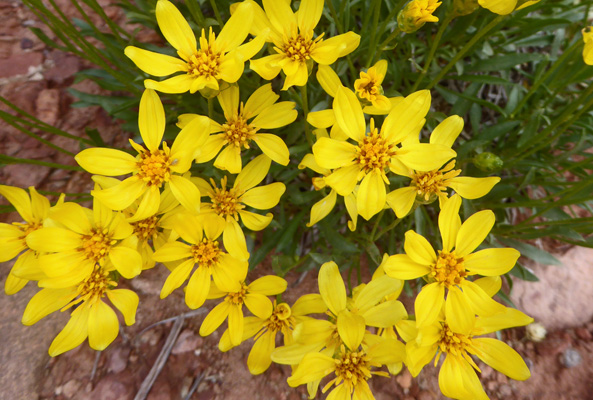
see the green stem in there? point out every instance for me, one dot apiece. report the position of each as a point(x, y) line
point(195, 11)
point(305, 103)
point(216, 13)
point(332, 11)
point(377, 51)
point(15, 160)
point(395, 223)
point(377, 12)
point(479, 35)
point(210, 108)
point(433, 49)
point(374, 231)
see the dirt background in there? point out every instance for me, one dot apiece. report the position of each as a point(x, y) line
point(35, 78)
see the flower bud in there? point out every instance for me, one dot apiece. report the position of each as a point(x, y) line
point(415, 14)
point(488, 162)
point(465, 7)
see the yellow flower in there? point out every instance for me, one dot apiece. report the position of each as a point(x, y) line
point(77, 239)
point(416, 13)
point(93, 318)
point(230, 203)
point(225, 269)
point(426, 186)
point(237, 132)
point(505, 7)
point(33, 209)
point(294, 42)
point(264, 331)
point(153, 167)
point(368, 87)
point(457, 376)
point(452, 266)
point(254, 296)
point(376, 151)
point(219, 58)
point(588, 49)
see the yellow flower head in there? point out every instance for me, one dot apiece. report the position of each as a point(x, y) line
point(77, 239)
point(505, 7)
point(219, 59)
point(427, 186)
point(416, 13)
point(368, 88)
point(237, 132)
point(588, 49)
point(253, 295)
point(34, 210)
point(202, 249)
point(230, 203)
point(457, 376)
point(378, 151)
point(451, 268)
point(155, 166)
point(93, 318)
point(295, 43)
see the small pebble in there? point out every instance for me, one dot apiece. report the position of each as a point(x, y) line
point(26, 43)
point(571, 358)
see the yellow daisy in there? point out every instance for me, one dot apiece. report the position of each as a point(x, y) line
point(230, 203)
point(219, 59)
point(588, 49)
point(450, 269)
point(294, 41)
point(253, 295)
point(77, 239)
point(202, 249)
point(377, 151)
point(153, 167)
point(426, 186)
point(34, 210)
point(92, 318)
point(416, 13)
point(457, 376)
point(238, 132)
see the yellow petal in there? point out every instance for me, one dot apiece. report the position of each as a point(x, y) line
point(229, 159)
point(234, 240)
point(276, 116)
point(186, 193)
point(229, 101)
point(197, 288)
point(473, 232)
point(492, 262)
point(490, 284)
point(72, 216)
point(176, 84)
point(401, 200)
point(500, 7)
point(329, 80)
point(429, 304)
point(449, 222)
point(322, 208)
point(149, 205)
point(259, 100)
point(264, 197)
point(419, 249)
point(188, 142)
point(235, 30)
point(297, 78)
point(457, 379)
point(259, 359)
point(127, 261)
point(387, 351)
point(211, 148)
point(343, 180)
point(13, 284)
point(321, 119)
point(45, 302)
point(19, 199)
point(472, 188)
point(351, 328)
point(371, 195)
point(73, 278)
point(401, 266)
point(479, 300)
point(73, 334)
point(215, 318)
point(314, 331)
point(447, 131)
point(425, 156)
point(58, 264)
point(236, 325)
point(229, 272)
point(280, 15)
point(173, 251)
point(331, 287)
point(175, 28)
point(253, 173)
point(255, 222)
point(331, 153)
point(154, 63)
point(509, 318)
point(103, 326)
point(374, 292)
point(151, 118)
point(309, 14)
point(269, 285)
point(259, 305)
point(458, 311)
point(345, 43)
point(231, 69)
point(314, 366)
point(349, 114)
point(501, 357)
point(311, 303)
point(122, 195)
point(326, 52)
point(294, 353)
point(267, 67)
point(250, 48)
point(52, 239)
point(406, 116)
point(273, 147)
point(386, 314)
point(189, 227)
point(177, 277)
point(109, 162)
point(126, 302)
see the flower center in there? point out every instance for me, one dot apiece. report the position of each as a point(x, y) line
point(206, 62)
point(353, 367)
point(434, 182)
point(96, 244)
point(373, 152)
point(145, 229)
point(238, 132)
point(367, 88)
point(454, 343)
point(27, 227)
point(237, 298)
point(206, 253)
point(226, 202)
point(154, 167)
point(93, 287)
point(448, 270)
point(299, 46)
point(281, 319)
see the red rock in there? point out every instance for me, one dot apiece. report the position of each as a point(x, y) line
point(404, 379)
point(19, 64)
point(114, 387)
point(118, 359)
point(583, 333)
point(48, 105)
point(65, 66)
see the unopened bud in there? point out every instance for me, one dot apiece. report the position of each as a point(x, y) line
point(416, 13)
point(488, 162)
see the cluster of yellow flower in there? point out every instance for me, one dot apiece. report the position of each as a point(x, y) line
point(156, 214)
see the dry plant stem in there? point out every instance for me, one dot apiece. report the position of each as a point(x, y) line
point(95, 365)
point(188, 314)
point(161, 359)
point(195, 385)
point(465, 49)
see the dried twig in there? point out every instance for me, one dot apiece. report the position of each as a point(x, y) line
point(95, 365)
point(188, 314)
point(195, 385)
point(161, 359)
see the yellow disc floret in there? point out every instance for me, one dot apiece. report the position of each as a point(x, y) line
point(237, 298)
point(154, 167)
point(206, 253)
point(281, 319)
point(434, 183)
point(93, 287)
point(96, 245)
point(226, 202)
point(145, 229)
point(352, 367)
point(374, 152)
point(206, 62)
point(368, 86)
point(449, 269)
point(299, 46)
point(237, 131)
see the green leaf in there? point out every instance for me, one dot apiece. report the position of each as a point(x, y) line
point(504, 62)
point(536, 254)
